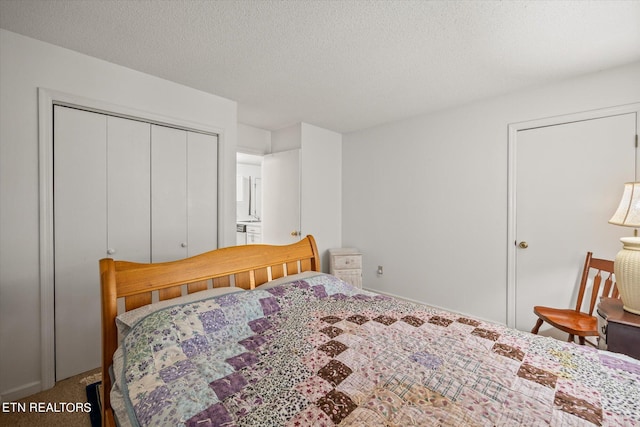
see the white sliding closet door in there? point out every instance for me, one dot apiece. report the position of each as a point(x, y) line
point(184, 204)
point(202, 194)
point(80, 238)
point(168, 194)
point(128, 190)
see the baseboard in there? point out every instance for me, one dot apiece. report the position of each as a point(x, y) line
point(20, 392)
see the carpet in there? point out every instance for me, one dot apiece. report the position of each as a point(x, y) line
point(93, 397)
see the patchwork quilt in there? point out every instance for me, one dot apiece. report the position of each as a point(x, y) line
point(318, 352)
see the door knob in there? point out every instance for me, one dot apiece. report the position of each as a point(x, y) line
point(295, 233)
point(523, 245)
point(183, 245)
point(111, 251)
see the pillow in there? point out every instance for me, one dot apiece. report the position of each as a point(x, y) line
point(291, 278)
point(126, 320)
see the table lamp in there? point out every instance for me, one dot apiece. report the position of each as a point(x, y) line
point(627, 263)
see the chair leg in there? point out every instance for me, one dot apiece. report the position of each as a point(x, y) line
point(537, 327)
point(581, 340)
point(571, 337)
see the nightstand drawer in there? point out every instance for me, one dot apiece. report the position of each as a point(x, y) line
point(353, 277)
point(257, 229)
point(346, 264)
point(347, 261)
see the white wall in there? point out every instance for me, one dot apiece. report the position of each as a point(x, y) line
point(427, 197)
point(289, 138)
point(321, 183)
point(252, 140)
point(25, 65)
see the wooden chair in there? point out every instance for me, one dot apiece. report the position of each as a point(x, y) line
point(574, 321)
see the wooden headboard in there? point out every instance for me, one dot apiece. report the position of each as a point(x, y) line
point(140, 284)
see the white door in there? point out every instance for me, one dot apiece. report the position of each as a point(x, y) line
point(569, 180)
point(184, 201)
point(168, 194)
point(202, 193)
point(281, 201)
point(80, 238)
point(105, 172)
point(128, 190)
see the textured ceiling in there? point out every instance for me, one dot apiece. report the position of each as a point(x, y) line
point(342, 65)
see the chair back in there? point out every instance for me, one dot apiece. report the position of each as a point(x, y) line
point(602, 267)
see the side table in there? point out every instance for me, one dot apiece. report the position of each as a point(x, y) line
point(346, 263)
point(619, 329)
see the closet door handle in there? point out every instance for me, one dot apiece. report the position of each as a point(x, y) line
point(111, 251)
point(183, 245)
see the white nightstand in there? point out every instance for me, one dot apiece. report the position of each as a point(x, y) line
point(346, 263)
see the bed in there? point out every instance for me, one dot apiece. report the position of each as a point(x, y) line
point(257, 336)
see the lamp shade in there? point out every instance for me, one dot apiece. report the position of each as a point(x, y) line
point(628, 213)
